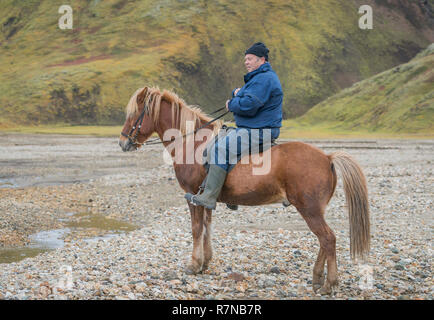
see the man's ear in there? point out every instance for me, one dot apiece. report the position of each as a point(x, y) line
point(141, 96)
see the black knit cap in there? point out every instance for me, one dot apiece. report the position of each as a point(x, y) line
point(258, 49)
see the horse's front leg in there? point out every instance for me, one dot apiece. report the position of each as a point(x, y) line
point(197, 228)
point(207, 246)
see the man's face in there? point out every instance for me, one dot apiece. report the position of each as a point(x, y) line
point(253, 62)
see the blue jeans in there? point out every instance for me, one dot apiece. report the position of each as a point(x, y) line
point(237, 142)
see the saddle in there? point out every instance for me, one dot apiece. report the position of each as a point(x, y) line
point(227, 129)
point(206, 164)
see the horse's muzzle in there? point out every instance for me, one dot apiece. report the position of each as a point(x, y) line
point(126, 145)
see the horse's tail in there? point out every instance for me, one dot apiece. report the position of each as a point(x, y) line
point(356, 195)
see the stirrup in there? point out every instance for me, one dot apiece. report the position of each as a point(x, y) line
point(191, 200)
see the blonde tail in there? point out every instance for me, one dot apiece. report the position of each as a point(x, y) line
point(356, 195)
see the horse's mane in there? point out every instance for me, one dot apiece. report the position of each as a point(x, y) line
point(181, 112)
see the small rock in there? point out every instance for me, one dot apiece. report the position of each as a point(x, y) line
point(275, 270)
point(170, 275)
point(268, 283)
point(395, 258)
point(236, 276)
point(281, 293)
point(175, 282)
point(44, 291)
point(126, 288)
point(410, 277)
point(242, 286)
point(141, 287)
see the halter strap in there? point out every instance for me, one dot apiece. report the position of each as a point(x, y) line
point(154, 141)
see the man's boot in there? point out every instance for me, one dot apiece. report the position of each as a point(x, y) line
point(214, 182)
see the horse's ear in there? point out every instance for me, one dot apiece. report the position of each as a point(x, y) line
point(141, 96)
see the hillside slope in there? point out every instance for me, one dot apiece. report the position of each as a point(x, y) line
point(195, 47)
point(398, 100)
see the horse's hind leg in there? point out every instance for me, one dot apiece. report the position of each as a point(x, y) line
point(318, 270)
point(327, 239)
point(197, 228)
point(207, 246)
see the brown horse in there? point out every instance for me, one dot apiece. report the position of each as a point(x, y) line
point(299, 173)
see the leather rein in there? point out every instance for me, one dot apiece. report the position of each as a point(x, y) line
point(133, 139)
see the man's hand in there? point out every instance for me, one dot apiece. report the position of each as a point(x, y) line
point(227, 105)
point(236, 91)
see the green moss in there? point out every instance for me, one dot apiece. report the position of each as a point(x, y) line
point(193, 47)
point(398, 100)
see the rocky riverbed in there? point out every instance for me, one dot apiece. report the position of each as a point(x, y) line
point(124, 228)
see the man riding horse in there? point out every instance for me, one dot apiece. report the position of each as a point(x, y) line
point(257, 105)
point(299, 173)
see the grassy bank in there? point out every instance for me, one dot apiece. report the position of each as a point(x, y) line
point(291, 130)
point(103, 131)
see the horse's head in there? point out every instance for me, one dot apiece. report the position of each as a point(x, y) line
point(138, 125)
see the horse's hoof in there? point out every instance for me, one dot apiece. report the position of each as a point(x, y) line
point(327, 289)
point(316, 287)
point(191, 270)
point(317, 283)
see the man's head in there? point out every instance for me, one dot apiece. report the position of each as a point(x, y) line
point(255, 56)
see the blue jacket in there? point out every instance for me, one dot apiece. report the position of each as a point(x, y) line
point(259, 102)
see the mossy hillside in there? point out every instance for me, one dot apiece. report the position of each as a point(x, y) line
point(192, 47)
point(399, 100)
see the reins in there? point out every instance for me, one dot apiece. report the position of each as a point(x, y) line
point(155, 141)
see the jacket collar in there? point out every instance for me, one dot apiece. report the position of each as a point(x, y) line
point(263, 68)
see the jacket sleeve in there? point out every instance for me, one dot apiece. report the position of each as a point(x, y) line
point(251, 100)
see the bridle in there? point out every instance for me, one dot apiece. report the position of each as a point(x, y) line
point(133, 139)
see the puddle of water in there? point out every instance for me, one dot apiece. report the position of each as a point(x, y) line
point(39, 243)
point(52, 239)
point(99, 221)
point(104, 237)
point(17, 254)
point(6, 183)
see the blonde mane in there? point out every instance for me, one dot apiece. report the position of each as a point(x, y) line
point(181, 112)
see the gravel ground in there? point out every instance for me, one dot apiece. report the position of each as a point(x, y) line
point(47, 182)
